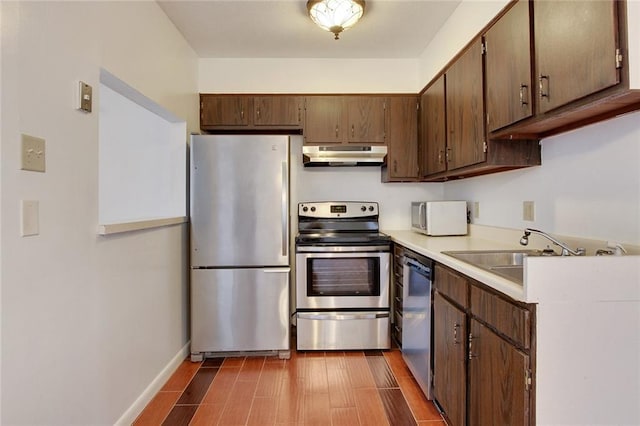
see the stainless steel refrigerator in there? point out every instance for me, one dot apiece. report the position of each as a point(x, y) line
point(239, 244)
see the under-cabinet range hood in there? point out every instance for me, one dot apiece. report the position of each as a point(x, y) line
point(343, 155)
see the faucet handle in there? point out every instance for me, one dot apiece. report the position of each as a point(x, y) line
point(581, 251)
point(618, 249)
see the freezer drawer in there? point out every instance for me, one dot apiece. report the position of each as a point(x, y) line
point(239, 310)
point(343, 330)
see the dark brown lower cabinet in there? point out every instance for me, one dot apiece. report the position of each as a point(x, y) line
point(499, 379)
point(484, 353)
point(449, 363)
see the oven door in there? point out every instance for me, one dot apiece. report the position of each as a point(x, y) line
point(342, 277)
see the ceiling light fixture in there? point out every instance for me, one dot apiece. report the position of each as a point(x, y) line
point(335, 15)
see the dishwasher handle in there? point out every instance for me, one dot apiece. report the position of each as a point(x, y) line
point(417, 266)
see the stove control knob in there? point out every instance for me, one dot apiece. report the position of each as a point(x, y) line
point(305, 208)
point(313, 209)
point(363, 208)
point(370, 208)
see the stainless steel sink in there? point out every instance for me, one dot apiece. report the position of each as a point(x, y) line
point(506, 263)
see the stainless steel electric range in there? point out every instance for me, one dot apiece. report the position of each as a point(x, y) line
point(342, 277)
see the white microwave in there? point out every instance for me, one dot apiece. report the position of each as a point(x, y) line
point(439, 217)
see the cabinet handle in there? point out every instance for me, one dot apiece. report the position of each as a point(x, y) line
point(471, 354)
point(258, 113)
point(524, 99)
point(455, 334)
point(395, 166)
point(242, 114)
point(299, 116)
point(336, 131)
point(352, 131)
point(448, 156)
point(541, 82)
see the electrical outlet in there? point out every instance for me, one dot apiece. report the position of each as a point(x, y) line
point(476, 209)
point(33, 153)
point(528, 211)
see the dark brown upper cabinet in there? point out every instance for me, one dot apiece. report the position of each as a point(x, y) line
point(278, 111)
point(225, 110)
point(508, 69)
point(402, 145)
point(575, 50)
point(345, 119)
point(453, 141)
point(367, 119)
point(581, 55)
point(250, 112)
point(466, 142)
point(433, 128)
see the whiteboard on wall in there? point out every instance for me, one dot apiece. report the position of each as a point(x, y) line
point(142, 157)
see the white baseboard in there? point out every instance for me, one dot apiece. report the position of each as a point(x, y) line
point(154, 387)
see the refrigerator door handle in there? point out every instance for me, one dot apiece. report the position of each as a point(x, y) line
point(285, 204)
point(277, 270)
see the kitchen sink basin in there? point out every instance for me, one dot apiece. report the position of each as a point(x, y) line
point(506, 263)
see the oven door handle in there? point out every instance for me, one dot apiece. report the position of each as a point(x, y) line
point(342, 315)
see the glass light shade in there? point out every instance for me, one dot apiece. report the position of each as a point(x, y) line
point(335, 15)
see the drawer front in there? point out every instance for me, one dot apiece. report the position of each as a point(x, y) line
point(343, 330)
point(511, 320)
point(452, 285)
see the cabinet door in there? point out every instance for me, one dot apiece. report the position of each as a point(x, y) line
point(402, 146)
point(508, 68)
point(433, 137)
point(465, 109)
point(323, 119)
point(498, 379)
point(225, 110)
point(278, 110)
point(575, 50)
point(366, 119)
point(449, 381)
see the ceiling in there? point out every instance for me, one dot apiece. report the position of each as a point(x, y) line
point(389, 29)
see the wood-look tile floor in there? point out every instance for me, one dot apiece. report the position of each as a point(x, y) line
point(312, 388)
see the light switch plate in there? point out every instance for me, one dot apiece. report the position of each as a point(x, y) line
point(528, 211)
point(476, 209)
point(86, 97)
point(33, 153)
point(29, 218)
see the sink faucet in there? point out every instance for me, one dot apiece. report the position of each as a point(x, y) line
point(566, 251)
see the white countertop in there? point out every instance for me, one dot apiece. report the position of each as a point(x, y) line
point(558, 278)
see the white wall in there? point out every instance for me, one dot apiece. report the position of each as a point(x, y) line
point(87, 322)
point(588, 185)
point(228, 75)
point(464, 23)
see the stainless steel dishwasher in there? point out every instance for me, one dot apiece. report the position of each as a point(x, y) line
point(416, 323)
